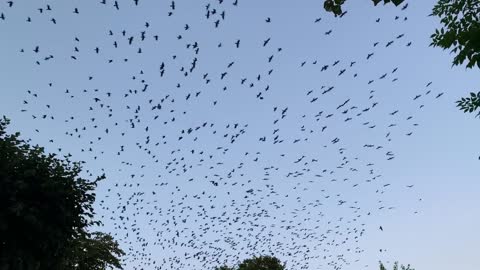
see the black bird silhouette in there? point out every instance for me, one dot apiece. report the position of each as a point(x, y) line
point(231, 188)
point(265, 42)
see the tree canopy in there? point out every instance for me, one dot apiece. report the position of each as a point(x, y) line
point(470, 104)
point(460, 33)
point(94, 253)
point(46, 210)
point(460, 30)
point(262, 263)
point(273, 263)
point(257, 263)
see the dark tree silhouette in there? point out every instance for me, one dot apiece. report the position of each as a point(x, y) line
point(257, 263)
point(97, 252)
point(470, 104)
point(262, 263)
point(45, 211)
point(460, 31)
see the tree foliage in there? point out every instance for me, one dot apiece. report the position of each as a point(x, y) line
point(262, 263)
point(95, 252)
point(257, 263)
point(46, 208)
point(470, 104)
point(460, 33)
point(460, 30)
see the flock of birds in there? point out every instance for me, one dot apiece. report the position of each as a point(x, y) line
point(211, 157)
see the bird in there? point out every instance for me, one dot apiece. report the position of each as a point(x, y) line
point(265, 42)
point(215, 143)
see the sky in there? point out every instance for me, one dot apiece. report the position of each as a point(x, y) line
point(316, 195)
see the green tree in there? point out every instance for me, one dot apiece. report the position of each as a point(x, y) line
point(257, 263)
point(99, 251)
point(460, 32)
point(262, 263)
point(46, 210)
point(395, 267)
point(469, 104)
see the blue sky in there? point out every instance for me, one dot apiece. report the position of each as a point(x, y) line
point(431, 225)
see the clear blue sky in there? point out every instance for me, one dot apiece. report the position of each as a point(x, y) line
point(299, 193)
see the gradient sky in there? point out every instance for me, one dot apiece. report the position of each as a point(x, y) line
point(433, 225)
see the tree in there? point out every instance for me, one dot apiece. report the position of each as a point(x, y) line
point(46, 210)
point(395, 267)
point(262, 263)
point(460, 32)
point(469, 104)
point(94, 253)
point(257, 263)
